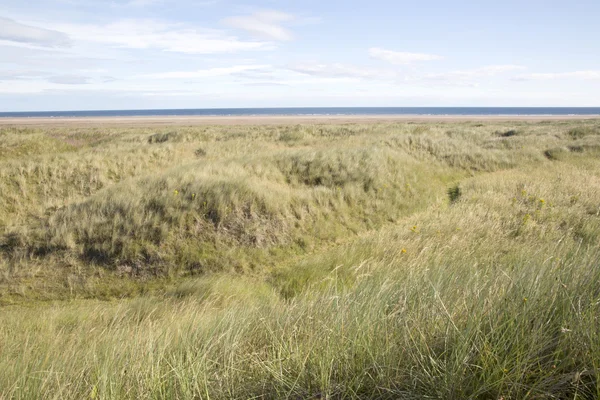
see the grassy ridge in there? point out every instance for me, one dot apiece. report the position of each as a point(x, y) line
point(172, 203)
point(379, 261)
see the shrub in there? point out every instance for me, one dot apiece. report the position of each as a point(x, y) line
point(162, 137)
point(556, 153)
point(582, 131)
point(291, 136)
point(454, 194)
point(509, 133)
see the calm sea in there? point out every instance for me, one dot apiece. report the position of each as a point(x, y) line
point(318, 111)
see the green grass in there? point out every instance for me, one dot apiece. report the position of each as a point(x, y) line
point(378, 261)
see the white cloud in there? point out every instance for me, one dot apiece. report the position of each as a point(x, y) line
point(586, 75)
point(396, 76)
point(25, 58)
point(41, 77)
point(340, 71)
point(462, 75)
point(270, 75)
point(267, 84)
point(401, 58)
point(69, 79)
point(20, 74)
point(13, 31)
point(264, 24)
point(153, 34)
point(206, 73)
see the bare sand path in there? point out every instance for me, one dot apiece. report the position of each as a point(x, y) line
point(275, 120)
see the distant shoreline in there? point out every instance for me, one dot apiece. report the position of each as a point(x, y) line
point(275, 119)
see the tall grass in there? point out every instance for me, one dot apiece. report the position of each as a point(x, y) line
point(396, 264)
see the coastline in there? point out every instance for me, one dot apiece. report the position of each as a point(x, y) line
point(275, 119)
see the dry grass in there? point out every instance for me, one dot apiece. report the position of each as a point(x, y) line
point(454, 260)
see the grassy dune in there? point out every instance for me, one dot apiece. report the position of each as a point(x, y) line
point(450, 260)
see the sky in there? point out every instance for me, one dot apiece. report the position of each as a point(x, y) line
point(145, 54)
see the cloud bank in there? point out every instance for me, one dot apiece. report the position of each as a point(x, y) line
point(13, 31)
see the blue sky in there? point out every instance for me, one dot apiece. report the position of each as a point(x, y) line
point(116, 54)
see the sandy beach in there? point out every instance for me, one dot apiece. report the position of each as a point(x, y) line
point(275, 120)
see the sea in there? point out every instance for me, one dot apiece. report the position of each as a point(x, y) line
point(314, 111)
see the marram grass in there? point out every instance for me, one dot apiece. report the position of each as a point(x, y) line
point(412, 261)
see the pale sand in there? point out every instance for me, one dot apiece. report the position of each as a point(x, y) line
point(276, 120)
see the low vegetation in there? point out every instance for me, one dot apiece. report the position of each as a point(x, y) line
point(451, 260)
